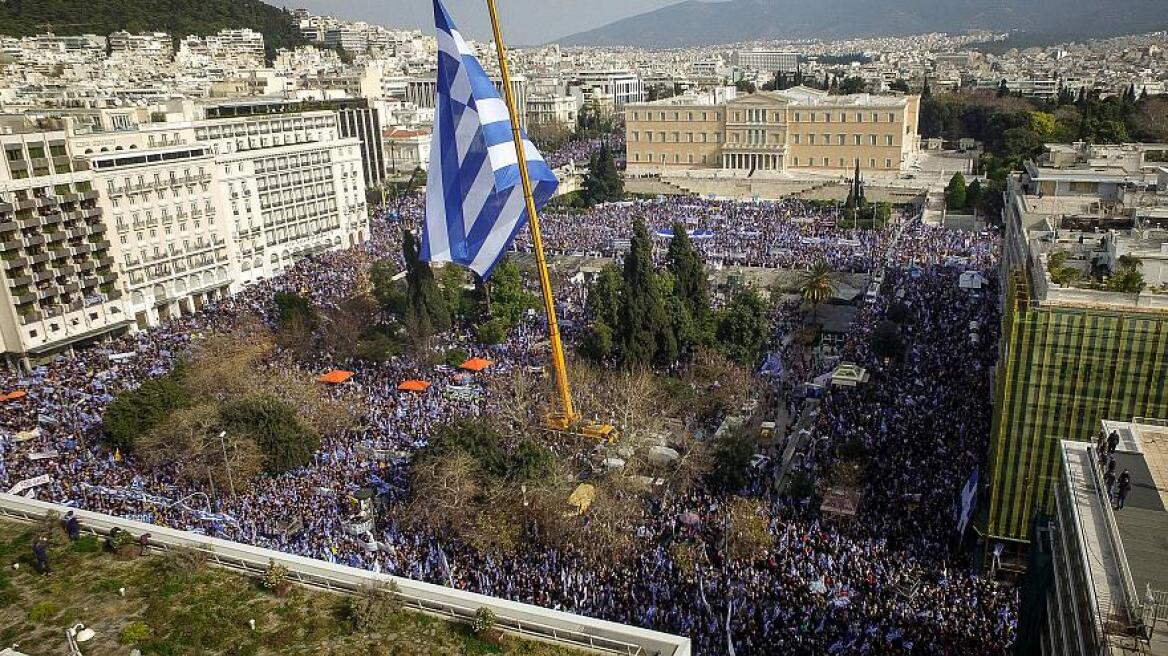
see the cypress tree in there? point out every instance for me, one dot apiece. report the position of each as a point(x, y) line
point(425, 303)
point(689, 275)
point(642, 314)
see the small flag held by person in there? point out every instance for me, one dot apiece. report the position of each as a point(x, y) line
point(474, 197)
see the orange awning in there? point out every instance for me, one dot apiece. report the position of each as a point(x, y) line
point(476, 364)
point(336, 376)
point(12, 396)
point(414, 386)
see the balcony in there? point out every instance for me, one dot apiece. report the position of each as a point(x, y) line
point(26, 298)
point(20, 281)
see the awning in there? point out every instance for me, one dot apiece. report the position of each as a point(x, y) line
point(476, 364)
point(413, 386)
point(335, 376)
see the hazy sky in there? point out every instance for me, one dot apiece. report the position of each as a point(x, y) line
point(525, 22)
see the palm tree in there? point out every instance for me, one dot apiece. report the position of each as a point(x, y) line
point(818, 284)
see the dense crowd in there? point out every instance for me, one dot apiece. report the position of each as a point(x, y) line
point(790, 233)
point(580, 151)
point(887, 582)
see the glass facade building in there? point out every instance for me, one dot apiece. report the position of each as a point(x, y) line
point(1063, 368)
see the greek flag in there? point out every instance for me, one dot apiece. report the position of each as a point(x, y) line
point(474, 195)
point(968, 497)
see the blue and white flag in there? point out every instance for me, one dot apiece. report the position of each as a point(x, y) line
point(474, 195)
point(968, 496)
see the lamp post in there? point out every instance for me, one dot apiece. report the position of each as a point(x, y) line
point(77, 634)
point(223, 445)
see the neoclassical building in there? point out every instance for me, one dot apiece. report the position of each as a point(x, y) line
point(792, 130)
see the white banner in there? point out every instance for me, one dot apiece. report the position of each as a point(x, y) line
point(30, 483)
point(43, 455)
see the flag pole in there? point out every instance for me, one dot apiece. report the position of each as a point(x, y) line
point(545, 283)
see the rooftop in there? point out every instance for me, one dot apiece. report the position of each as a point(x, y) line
point(1127, 576)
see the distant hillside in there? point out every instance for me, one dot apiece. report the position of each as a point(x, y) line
point(699, 23)
point(177, 17)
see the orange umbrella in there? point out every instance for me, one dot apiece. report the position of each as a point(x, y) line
point(414, 386)
point(476, 364)
point(336, 376)
point(12, 396)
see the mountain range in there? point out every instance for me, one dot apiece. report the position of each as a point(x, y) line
point(697, 22)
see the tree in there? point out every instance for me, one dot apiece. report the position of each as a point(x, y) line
point(292, 308)
point(818, 284)
point(642, 321)
point(604, 297)
point(389, 293)
point(732, 456)
point(426, 309)
point(602, 183)
point(748, 530)
point(955, 192)
point(1127, 277)
point(285, 442)
point(134, 413)
point(886, 341)
point(743, 327)
point(899, 84)
point(851, 85)
point(973, 195)
point(690, 284)
point(745, 86)
point(187, 445)
point(509, 300)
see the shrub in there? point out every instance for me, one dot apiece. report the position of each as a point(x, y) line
point(86, 544)
point(373, 606)
point(275, 576)
point(134, 413)
point(135, 633)
point(491, 332)
point(484, 620)
point(454, 357)
point(43, 612)
point(274, 425)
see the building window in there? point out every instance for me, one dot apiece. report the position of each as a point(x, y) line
point(810, 139)
point(891, 117)
point(888, 163)
point(871, 140)
point(827, 117)
point(841, 139)
point(798, 117)
point(796, 138)
point(855, 140)
point(796, 161)
point(841, 163)
point(872, 163)
point(888, 140)
point(843, 117)
point(826, 162)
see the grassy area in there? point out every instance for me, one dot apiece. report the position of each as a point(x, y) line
point(174, 605)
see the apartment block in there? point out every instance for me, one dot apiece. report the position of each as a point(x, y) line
point(58, 283)
point(796, 129)
point(766, 60)
point(293, 184)
point(173, 240)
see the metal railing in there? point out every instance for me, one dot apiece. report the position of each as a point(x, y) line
point(524, 620)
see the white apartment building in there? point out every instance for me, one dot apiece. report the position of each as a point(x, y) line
point(147, 44)
point(551, 110)
point(171, 236)
point(58, 284)
point(293, 185)
point(237, 49)
point(623, 86)
point(767, 60)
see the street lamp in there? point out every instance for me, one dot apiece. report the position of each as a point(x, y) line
point(77, 634)
point(223, 445)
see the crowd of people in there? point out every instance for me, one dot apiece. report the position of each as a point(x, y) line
point(889, 581)
point(790, 233)
point(580, 151)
